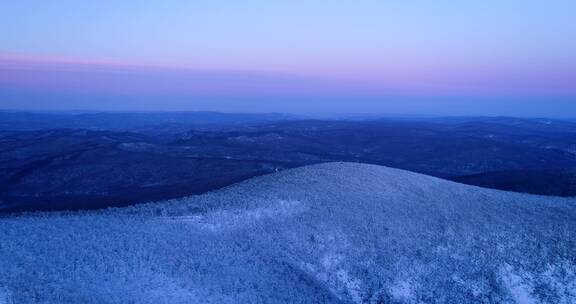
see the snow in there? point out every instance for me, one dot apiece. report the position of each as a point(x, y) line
point(233, 219)
point(520, 288)
point(5, 297)
point(403, 291)
point(329, 233)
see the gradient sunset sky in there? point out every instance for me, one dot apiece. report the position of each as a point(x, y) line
point(411, 57)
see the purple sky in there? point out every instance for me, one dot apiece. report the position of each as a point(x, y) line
point(415, 57)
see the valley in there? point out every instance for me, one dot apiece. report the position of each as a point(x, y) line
point(109, 164)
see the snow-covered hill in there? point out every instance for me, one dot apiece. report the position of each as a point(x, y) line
point(329, 233)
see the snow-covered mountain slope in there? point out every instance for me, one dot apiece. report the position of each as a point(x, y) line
point(329, 233)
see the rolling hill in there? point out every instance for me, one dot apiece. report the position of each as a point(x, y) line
point(327, 233)
point(117, 159)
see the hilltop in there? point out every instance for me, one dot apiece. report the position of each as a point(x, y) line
point(328, 233)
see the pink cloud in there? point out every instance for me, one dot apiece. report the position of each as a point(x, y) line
point(133, 78)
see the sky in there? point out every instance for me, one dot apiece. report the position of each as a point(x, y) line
point(492, 57)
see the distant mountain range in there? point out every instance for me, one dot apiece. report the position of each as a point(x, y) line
point(55, 161)
point(152, 123)
point(328, 233)
point(59, 161)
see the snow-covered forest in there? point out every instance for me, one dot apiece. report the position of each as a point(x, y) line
point(329, 233)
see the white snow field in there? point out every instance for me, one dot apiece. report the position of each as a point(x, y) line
point(328, 233)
